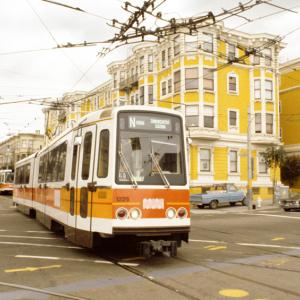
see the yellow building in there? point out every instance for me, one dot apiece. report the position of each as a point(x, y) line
point(290, 108)
point(211, 77)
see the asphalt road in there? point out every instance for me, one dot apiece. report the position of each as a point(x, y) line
point(232, 254)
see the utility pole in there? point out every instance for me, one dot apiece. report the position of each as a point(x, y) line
point(249, 160)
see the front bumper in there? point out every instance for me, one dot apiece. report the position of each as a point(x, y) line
point(290, 204)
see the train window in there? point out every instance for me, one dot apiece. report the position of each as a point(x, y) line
point(103, 154)
point(23, 174)
point(74, 161)
point(52, 165)
point(18, 175)
point(26, 173)
point(61, 162)
point(72, 201)
point(41, 168)
point(83, 202)
point(86, 158)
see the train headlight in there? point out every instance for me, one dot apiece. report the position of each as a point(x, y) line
point(182, 212)
point(121, 213)
point(171, 213)
point(135, 213)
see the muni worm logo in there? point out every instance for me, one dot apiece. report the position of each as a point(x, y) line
point(153, 203)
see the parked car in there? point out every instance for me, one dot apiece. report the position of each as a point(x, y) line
point(293, 202)
point(219, 194)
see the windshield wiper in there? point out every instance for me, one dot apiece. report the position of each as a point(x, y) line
point(162, 175)
point(127, 168)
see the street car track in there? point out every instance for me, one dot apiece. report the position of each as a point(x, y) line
point(247, 279)
point(41, 291)
point(150, 278)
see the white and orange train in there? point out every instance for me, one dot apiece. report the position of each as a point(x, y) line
point(120, 173)
point(6, 181)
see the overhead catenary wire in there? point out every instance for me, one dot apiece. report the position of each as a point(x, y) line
point(76, 9)
point(53, 38)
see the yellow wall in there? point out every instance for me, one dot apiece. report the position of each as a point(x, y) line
point(239, 102)
point(221, 163)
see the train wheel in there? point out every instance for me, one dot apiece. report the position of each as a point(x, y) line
point(145, 249)
point(173, 249)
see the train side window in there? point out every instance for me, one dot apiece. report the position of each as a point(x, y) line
point(74, 161)
point(103, 154)
point(86, 158)
point(61, 161)
point(18, 173)
point(72, 201)
point(83, 202)
point(41, 168)
point(26, 173)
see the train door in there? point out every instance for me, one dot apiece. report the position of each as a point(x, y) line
point(85, 186)
point(76, 142)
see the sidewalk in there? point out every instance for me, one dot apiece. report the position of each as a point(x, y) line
point(265, 205)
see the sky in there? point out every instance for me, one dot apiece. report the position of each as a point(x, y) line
point(46, 72)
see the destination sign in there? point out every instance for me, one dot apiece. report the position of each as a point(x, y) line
point(149, 122)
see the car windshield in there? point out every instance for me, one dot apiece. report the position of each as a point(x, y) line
point(149, 154)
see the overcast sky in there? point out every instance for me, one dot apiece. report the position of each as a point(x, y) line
point(35, 24)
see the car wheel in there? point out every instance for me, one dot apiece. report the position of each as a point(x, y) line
point(213, 204)
point(287, 209)
point(244, 202)
point(200, 206)
point(232, 203)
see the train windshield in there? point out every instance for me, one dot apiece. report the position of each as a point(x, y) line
point(9, 177)
point(150, 149)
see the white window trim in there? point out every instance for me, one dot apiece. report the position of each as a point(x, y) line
point(230, 127)
point(166, 59)
point(214, 79)
point(211, 167)
point(167, 95)
point(192, 104)
point(235, 50)
point(203, 115)
point(260, 98)
point(272, 82)
point(191, 90)
point(238, 173)
point(237, 92)
point(273, 127)
point(267, 174)
point(261, 122)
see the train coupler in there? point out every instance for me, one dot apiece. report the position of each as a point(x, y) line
point(149, 248)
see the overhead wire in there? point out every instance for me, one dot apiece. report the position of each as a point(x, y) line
point(54, 39)
point(76, 9)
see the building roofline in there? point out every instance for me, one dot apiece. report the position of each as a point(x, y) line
point(287, 65)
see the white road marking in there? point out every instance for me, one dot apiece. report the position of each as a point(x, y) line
point(40, 245)
point(269, 215)
point(249, 244)
point(38, 231)
point(39, 257)
point(3, 230)
point(207, 241)
point(268, 246)
point(78, 260)
point(29, 237)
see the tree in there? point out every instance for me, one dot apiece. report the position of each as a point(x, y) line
point(290, 170)
point(274, 158)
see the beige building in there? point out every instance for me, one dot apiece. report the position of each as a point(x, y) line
point(18, 147)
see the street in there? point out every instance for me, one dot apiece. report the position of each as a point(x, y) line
point(233, 253)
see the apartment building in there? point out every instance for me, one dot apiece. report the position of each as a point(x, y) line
point(18, 147)
point(212, 79)
point(290, 108)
